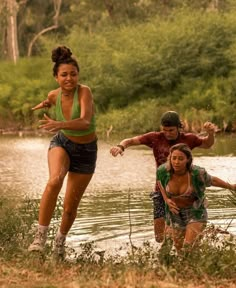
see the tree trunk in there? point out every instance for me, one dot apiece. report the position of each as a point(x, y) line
point(9, 9)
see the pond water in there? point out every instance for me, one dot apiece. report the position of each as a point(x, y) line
point(116, 207)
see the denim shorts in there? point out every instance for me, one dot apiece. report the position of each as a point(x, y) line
point(185, 217)
point(83, 157)
point(158, 205)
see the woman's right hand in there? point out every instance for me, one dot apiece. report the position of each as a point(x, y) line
point(172, 206)
point(44, 104)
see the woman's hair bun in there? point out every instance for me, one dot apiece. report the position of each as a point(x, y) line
point(61, 53)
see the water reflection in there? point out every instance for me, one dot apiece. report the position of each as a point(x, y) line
point(116, 203)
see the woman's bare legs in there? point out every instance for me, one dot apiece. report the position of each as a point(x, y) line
point(58, 163)
point(193, 233)
point(187, 238)
point(76, 185)
point(178, 238)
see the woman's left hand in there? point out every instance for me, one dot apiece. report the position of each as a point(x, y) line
point(172, 206)
point(50, 124)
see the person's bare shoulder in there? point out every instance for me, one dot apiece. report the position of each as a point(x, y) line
point(85, 92)
point(52, 96)
point(84, 88)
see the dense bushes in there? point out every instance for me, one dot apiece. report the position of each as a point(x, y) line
point(185, 61)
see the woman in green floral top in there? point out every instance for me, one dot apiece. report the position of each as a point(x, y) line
point(183, 185)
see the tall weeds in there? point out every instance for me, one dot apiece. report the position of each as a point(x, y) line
point(214, 259)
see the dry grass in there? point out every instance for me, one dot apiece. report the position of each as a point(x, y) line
point(51, 275)
point(211, 265)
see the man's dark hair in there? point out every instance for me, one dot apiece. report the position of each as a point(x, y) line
point(171, 118)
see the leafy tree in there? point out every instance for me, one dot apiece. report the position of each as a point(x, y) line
point(27, 21)
point(37, 19)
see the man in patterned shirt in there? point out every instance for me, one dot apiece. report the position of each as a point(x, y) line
point(160, 143)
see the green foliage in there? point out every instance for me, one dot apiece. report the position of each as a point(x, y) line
point(159, 57)
point(35, 17)
point(23, 86)
point(208, 101)
point(140, 117)
point(185, 60)
point(15, 223)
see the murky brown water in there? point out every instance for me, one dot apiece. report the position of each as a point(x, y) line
point(117, 199)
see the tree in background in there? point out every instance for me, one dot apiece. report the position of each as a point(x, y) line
point(23, 22)
point(181, 56)
point(55, 18)
point(8, 12)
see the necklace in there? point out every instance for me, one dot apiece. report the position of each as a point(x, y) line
point(68, 93)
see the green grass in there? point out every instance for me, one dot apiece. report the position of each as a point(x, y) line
point(211, 264)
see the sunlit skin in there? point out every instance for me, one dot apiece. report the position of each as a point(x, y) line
point(178, 184)
point(67, 77)
point(171, 133)
point(178, 161)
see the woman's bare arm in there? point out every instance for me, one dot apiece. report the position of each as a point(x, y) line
point(215, 181)
point(172, 205)
point(47, 103)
